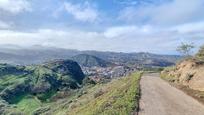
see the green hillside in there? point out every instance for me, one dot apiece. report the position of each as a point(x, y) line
point(27, 87)
point(119, 97)
point(90, 61)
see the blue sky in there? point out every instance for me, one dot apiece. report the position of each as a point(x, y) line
point(157, 26)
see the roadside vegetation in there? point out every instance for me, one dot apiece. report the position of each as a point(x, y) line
point(118, 97)
point(168, 77)
point(153, 69)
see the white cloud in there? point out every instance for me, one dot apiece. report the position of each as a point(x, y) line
point(82, 12)
point(124, 30)
point(173, 12)
point(120, 38)
point(14, 6)
point(72, 39)
point(195, 27)
point(157, 39)
point(5, 25)
point(183, 22)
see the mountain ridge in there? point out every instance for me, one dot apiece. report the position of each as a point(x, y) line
point(90, 61)
point(39, 55)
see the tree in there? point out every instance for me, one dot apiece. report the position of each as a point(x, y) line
point(185, 48)
point(200, 54)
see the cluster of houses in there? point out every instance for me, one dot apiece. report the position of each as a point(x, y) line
point(98, 73)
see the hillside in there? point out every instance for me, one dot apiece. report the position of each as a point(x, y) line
point(90, 61)
point(37, 82)
point(118, 97)
point(51, 89)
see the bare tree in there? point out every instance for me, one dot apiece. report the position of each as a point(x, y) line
point(185, 49)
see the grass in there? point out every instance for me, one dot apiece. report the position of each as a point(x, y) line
point(7, 80)
point(168, 78)
point(28, 104)
point(46, 96)
point(153, 69)
point(119, 97)
point(17, 99)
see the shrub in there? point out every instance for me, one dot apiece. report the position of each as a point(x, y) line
point(200, 54)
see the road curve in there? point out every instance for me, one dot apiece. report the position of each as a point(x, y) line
point(160, 98)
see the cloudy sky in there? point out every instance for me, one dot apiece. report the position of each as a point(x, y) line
point(157, 26)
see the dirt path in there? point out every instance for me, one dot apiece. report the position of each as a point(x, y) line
point(159, 98)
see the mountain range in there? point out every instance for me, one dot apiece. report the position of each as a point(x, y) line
point(39, 54)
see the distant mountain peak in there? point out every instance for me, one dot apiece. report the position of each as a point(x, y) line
point(90, 60)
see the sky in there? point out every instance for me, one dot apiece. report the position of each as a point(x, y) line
point(157, 26)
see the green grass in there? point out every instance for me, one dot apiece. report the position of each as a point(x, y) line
point(17, 99)
point(119, 97)
point(28, 104)
point(46, 96)
point(7, 80)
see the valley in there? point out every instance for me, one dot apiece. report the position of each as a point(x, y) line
point(85, 84)
point(66, 86)
point(101, 57)
point(55, 88)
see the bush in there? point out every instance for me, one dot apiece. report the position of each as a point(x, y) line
point(200, 54)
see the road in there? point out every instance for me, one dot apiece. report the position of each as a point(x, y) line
point(160, 98)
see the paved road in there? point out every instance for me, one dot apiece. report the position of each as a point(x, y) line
point(159, 98)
